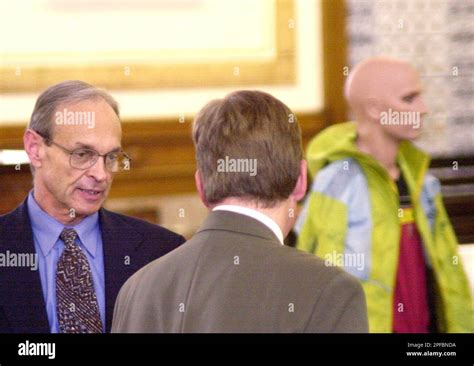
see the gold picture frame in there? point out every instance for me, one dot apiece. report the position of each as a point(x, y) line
point(279, 70)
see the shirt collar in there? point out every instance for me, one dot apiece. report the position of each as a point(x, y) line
point(47, 229)
point(264, 219)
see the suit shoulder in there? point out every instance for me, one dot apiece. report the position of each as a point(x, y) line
point(176, 264)
point(12, 219)
point(4, 218)
point(12, 215)
point(333, 279)
point(168, 266)
point(304, 262)
point(145, 227)
point(327, 274)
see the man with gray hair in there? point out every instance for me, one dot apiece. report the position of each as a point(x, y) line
point(84, 252)
point(235, 274)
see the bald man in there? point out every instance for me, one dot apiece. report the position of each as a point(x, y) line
point(374, 210)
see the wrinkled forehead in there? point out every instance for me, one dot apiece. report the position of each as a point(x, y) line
point(89, 122)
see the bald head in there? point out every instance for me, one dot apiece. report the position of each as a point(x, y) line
point(376, 77)
point(379, 86)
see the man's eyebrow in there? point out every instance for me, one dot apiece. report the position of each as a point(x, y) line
point(117, 149)
point(86, 146)
point(90, 147)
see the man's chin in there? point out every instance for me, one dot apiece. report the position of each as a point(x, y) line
point(86, 203)
point(410, 135)
point(415, 135)
point(84, 209)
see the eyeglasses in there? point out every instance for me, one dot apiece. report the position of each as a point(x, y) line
point(83, 158)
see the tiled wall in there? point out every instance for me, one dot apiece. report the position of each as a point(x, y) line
point(436, 36)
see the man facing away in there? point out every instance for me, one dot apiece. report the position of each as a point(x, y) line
point(374, 209)
point(235, 274)
point(83, 253)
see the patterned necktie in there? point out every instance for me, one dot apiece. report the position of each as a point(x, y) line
point(77, 307)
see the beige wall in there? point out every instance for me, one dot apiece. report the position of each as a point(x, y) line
point(237, 31)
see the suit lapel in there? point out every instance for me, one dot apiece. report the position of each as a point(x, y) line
point(25, 308)
point(120, 242)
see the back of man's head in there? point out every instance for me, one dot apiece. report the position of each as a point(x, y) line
point(248, 146)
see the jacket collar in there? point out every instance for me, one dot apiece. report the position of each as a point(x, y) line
point(338, 142)
point(237, 223)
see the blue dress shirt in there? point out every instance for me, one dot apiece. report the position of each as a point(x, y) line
point(49, 248)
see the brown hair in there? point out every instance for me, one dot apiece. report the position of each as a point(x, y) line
point(248, 125)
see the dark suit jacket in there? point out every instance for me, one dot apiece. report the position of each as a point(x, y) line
point(235, 276)
point(22, 306)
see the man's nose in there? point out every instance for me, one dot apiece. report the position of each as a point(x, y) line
point(98, 171)
point(422, 108)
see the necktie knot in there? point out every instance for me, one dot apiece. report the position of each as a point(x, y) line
point(68, 236)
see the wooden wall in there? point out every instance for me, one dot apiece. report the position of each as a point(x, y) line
point(162, 150)
point(162, 160)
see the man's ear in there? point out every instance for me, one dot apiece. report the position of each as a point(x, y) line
point(373, 108)
point(33, 144)
point(300, 188)
point(200, 188)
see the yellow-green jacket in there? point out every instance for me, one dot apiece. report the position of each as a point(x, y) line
point(351, 219)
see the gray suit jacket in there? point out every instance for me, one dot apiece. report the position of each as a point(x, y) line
point(235, 276)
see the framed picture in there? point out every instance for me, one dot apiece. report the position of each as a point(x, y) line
point(147, 44)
